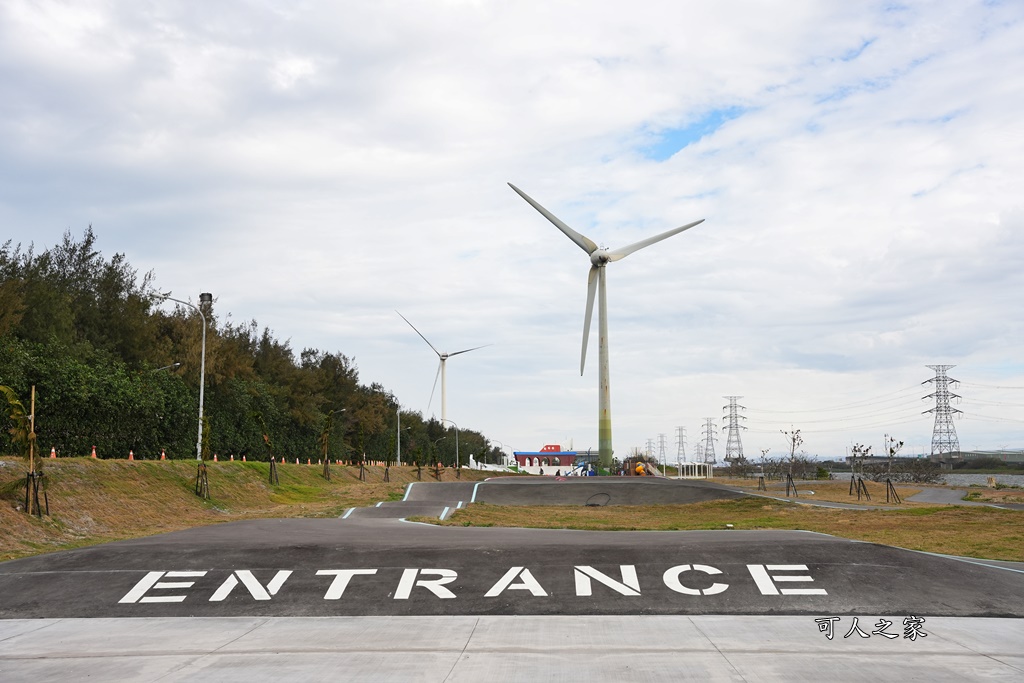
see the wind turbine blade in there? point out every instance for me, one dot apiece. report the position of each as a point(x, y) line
point(585, 243)
point(591, 290)
point(419, 333)
point(468, 350)
point(616, 254)
point(439, 365)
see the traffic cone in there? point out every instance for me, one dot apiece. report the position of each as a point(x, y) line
point(243, 459)
point(93, 451)
point(296, 461)
point(308, 462)
point(131, 454)
point(53, 451)
point(233, 457)
point(163, 454)
point(215, 457)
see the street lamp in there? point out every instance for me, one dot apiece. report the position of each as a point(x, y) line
point(204, 298)
point(167, 367)
point(398, 435)
point(456, 444)
point(502, 451)
point(433, 446)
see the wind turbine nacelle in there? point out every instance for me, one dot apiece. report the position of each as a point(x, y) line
point(600, 257)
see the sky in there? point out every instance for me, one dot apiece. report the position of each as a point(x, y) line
point(318, 166)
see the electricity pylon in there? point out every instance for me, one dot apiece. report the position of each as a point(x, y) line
point(944, 433)
point(733, 445)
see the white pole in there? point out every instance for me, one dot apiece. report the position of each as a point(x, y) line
point(444, 392)
point(202, 386)
point(204, 297)
point(456, 427)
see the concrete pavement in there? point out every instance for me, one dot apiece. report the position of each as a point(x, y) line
point(501, 648)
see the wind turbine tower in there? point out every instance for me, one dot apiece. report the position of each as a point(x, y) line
point(443, 357)
point(599, 259)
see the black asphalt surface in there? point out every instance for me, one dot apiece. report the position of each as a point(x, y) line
point(373, 563)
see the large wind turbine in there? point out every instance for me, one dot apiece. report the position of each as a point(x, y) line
point(599, 258)
point(440, 368)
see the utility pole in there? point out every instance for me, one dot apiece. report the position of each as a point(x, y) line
point(733, 445)
point(944, 438)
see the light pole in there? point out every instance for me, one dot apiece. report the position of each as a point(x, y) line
point(204, 298)
point(398, 435)
point(502, 451)
point(456, 444)
point(433, 447)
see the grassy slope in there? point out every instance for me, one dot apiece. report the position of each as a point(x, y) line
point(93, 501)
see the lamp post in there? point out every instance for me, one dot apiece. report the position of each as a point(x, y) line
point(433, 446)
point(456, 444)
point(398, 435)
point(204, 298)
point(501, 450)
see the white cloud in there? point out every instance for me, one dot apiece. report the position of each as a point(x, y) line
point(319, 167)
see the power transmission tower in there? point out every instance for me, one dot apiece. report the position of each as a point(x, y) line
point(944, 433)
point(733, 445)
point(698, 452)
point(680, 444)
point(661, 448)
point(650, 447)
point(709, 440)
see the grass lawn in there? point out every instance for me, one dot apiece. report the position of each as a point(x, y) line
point(980, 532)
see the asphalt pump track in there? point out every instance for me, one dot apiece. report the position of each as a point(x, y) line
point(372, 596)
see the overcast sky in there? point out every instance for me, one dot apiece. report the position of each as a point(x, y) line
point(319, 165)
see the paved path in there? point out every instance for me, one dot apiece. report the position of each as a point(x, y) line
point(955, 497)
point(372, 597)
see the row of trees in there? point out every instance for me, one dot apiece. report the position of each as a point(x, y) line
point(114, 370)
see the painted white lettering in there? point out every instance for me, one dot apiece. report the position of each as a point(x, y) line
point(766, 582)
point(527, 583)
point(671, 578)
point(256, 589)
point(151, 581)
point(341, 579)
point(435, 586)
point(629, 585)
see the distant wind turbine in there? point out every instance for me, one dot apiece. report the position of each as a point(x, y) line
point(599, 258)
point(440, 369)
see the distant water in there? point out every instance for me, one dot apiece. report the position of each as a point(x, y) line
point(982, 479)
